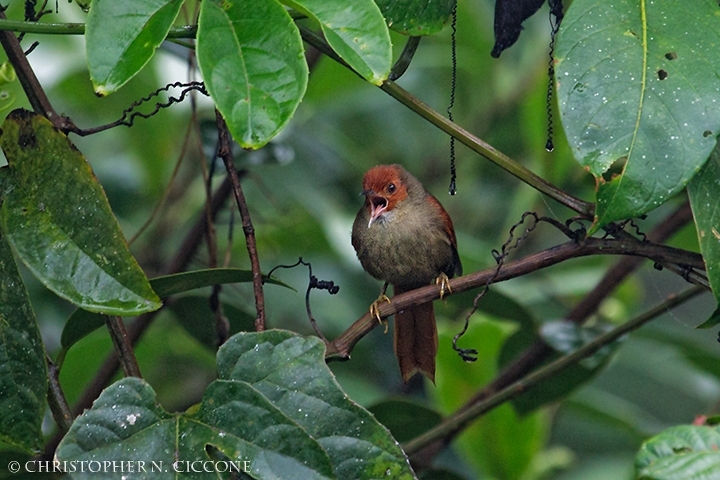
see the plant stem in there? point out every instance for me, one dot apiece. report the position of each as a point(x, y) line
point(486, 150)
point(225, 152)
point(123, 346)
point(56, 399)
point(463, 417)
point(582, 207)
point(185, 31)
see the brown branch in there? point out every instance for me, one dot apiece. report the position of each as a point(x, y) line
point(56, 398)
point(123, 346)
point(225, 152)
point(29, 82)
point(341, 347)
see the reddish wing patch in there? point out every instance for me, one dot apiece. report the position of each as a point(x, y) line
point(447, 221)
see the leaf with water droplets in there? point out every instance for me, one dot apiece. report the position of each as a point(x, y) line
point(122, 36)
point(23, 372)
point(356, 31)
point(418, 17)
point(639, 93)
point(705, 201)
point(251, 58)
point(276, 411)
point(58, 220)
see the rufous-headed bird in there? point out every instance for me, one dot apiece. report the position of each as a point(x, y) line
point(402, 235)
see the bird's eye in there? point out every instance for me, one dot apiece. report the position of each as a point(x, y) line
point(391, 188)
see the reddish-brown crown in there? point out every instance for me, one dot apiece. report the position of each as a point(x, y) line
point(385, 181)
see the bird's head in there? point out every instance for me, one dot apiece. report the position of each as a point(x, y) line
point(384, 188)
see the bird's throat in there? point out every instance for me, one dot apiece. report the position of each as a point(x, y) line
point(378, 205)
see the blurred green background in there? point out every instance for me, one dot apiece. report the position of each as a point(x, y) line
point(302, 191)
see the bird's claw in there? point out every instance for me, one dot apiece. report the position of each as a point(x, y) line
point(375, 309)
point(444, 283)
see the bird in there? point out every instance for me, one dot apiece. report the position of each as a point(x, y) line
point(403, 236)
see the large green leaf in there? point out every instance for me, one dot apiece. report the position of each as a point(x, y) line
point(275, 410)
point(639, 88)
point(416, 17)
point(122, 36)
point(290, 371)
point(23, 372)
point(705, 201)
point(686, 452)
point(251, 58)
point(57, 218)
point(356, 31)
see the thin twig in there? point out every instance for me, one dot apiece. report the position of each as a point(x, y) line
point(225, 152)
point(123, 346)
point(56, 398)
point(463, 417)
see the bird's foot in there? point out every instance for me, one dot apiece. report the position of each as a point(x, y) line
point(444, 283)
point(375, 309)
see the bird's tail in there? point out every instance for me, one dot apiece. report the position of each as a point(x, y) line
point(416, 340)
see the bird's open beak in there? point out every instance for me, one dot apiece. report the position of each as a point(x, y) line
point(377, 207)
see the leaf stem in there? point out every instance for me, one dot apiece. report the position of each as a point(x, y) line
point(486, 150)
point(460, 419)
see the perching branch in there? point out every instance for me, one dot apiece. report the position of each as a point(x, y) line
point(341, 347)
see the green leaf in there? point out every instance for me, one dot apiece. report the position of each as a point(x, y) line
point(167, 285)
point(405, 419)
point(290, 371)
point(356, 31)
point(122, 36)
point(82, 322)
point(705, 203)
point(416, 17)
point(23, 371)
point(684, 452)
point(251, 58)
point(57, 218)
point(639, 88)
point(276, 409)
point(194, 315)
point(127, 422)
